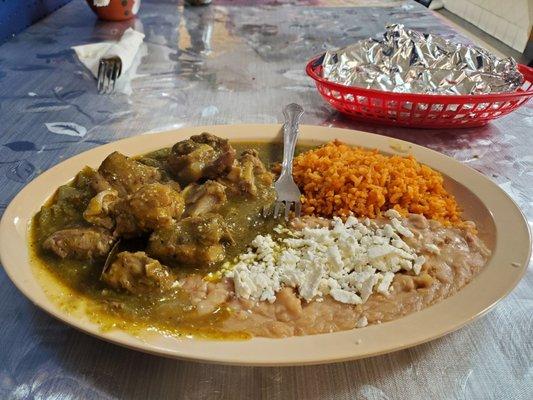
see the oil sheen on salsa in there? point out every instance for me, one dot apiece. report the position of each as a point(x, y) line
point(171, 312)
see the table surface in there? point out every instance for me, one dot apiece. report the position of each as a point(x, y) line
point(231, 63)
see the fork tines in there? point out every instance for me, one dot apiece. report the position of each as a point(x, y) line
point(287, 192)
point(297, 205)
point(109, 71)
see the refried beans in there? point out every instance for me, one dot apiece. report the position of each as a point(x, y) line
point(454, 255)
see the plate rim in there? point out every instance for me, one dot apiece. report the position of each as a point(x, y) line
point(125, 339)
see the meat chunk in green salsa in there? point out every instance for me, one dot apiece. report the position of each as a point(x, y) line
point(202, 156)
point(125, 174)
point(153, 206)
point(137, 273)
point(99, 209)
point(246, 174)
point(192, 241)
point(204, 198)
point(80, 243)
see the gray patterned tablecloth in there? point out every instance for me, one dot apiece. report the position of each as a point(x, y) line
point(228, 63)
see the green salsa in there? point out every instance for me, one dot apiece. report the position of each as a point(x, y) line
point(169, 312)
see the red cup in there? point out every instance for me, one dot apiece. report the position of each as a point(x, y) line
point(116, 10)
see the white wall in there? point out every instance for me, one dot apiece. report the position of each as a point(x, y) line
point(507, 20)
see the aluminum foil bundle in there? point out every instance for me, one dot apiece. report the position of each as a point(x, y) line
point(408, 61)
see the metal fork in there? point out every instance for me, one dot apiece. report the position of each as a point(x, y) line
point(287, 192)
point(109, 71)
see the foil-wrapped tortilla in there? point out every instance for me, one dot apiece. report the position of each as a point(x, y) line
point(408, 61)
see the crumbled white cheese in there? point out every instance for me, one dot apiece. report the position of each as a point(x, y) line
point(385, 282)
point(345, 296)
point(335, 258)
point(402, 230)
point(432, 248)
point(417, 266)
point(361, 322)
point(392, 213)
point(349, 261)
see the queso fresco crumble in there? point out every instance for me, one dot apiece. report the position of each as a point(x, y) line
point(347, 260)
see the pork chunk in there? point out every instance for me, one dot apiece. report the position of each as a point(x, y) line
point(99, 209)
point(201, 156)
point(246, 174)
point(204, 198)
point(154, 205)
point(80, 243)
point(98, 182)
point(126, 175)
point(137, 273)
point(192, 241)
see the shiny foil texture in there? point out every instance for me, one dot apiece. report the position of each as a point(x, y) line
point(408, 61)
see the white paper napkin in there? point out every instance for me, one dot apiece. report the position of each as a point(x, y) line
point(126, 48)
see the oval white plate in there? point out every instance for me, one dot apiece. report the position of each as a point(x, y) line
point(499, 220)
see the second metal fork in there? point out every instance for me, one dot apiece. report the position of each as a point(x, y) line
point(109, 71)
point(287, 192)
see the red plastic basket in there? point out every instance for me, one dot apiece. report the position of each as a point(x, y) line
point(420, 110)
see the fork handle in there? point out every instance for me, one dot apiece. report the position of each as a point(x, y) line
point(292, 113)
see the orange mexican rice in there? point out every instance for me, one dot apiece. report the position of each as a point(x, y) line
point(337, 179)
